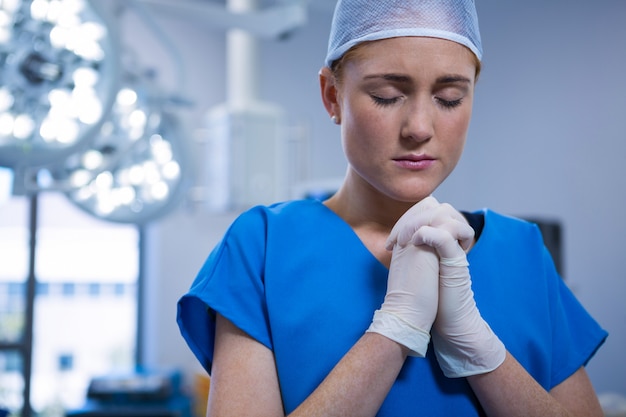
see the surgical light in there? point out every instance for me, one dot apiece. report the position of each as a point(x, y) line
point(58, 78)
point(134, 169)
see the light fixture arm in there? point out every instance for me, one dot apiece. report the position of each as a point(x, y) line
point(270, 23)
point(141, 11)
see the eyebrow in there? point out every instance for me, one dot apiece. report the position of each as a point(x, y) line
point(399, 78)
point(450, 79)
point(390, 77)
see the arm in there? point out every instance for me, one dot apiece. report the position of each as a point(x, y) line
point(243, 375)
point(510, 391)
point(466, 346)
point(244, 380)
point(244, 383)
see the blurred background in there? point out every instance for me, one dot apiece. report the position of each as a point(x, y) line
point(132, 132)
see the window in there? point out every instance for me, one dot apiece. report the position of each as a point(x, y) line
point(85, 308)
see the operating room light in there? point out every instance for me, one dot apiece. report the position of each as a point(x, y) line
point(76, 119)
point(134, 168)
point(58, 76)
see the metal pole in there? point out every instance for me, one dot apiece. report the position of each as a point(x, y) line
point(141, 299)
point(31, 284)
point(242, 61)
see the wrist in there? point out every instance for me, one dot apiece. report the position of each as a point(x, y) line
point(464, 356)
point(394, 327)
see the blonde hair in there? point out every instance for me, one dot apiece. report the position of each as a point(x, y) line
point(338, 65)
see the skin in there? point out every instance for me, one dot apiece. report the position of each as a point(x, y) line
point(397, 99)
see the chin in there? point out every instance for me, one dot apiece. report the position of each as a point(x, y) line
point(412, 198)
point(414, 194)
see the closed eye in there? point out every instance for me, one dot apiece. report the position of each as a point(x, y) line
point(380, 101)
point(449, 104)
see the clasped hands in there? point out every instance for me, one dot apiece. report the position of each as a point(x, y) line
point(429, 292)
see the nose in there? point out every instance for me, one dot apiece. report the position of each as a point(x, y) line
point(418, 121)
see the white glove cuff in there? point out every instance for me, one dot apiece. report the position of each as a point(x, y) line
point(395, 328)
point(457, 361)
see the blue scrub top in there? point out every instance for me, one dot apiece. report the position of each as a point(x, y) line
point(295, 277)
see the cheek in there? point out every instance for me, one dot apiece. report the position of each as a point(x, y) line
point(367, 121)
point(457, 122)
point(456, 133)
point(365, 140)
point(451, 132)
point(361, 126)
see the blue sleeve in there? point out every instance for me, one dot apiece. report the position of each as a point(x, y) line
point(230, 283)
point(527, 304)
point(576, 335)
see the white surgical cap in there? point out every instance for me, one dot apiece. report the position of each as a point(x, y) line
point(357, 21)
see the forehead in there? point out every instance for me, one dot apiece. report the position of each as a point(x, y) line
point(411, 53)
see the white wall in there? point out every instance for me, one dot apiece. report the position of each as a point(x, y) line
point(548, 138)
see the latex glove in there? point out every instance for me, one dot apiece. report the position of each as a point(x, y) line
point(410, 306)
point(432, 214)
point(464, 343)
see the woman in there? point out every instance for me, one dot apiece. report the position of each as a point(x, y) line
point(327, 308)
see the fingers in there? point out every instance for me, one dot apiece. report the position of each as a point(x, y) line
point(442, 239)
point(430, 213)
point(410, 222)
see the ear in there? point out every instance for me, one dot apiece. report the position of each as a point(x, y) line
point(328, 88)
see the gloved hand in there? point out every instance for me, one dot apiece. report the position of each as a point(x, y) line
point(410, 306)
point(464, 343)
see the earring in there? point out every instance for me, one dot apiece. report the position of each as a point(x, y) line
point(334, 119)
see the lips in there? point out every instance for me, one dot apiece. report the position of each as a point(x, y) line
point(414, 162)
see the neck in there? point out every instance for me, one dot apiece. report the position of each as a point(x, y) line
point(361, 205)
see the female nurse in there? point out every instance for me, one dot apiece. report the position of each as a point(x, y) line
point(380, 300)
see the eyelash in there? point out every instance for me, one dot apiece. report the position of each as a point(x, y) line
point(450, 104)
point(384, 102)
point(447, 104)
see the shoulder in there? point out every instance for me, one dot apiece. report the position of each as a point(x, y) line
point(274, 222)
point(515, 242)
point(282, 212)
point(500, 219)
point(498, 226)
